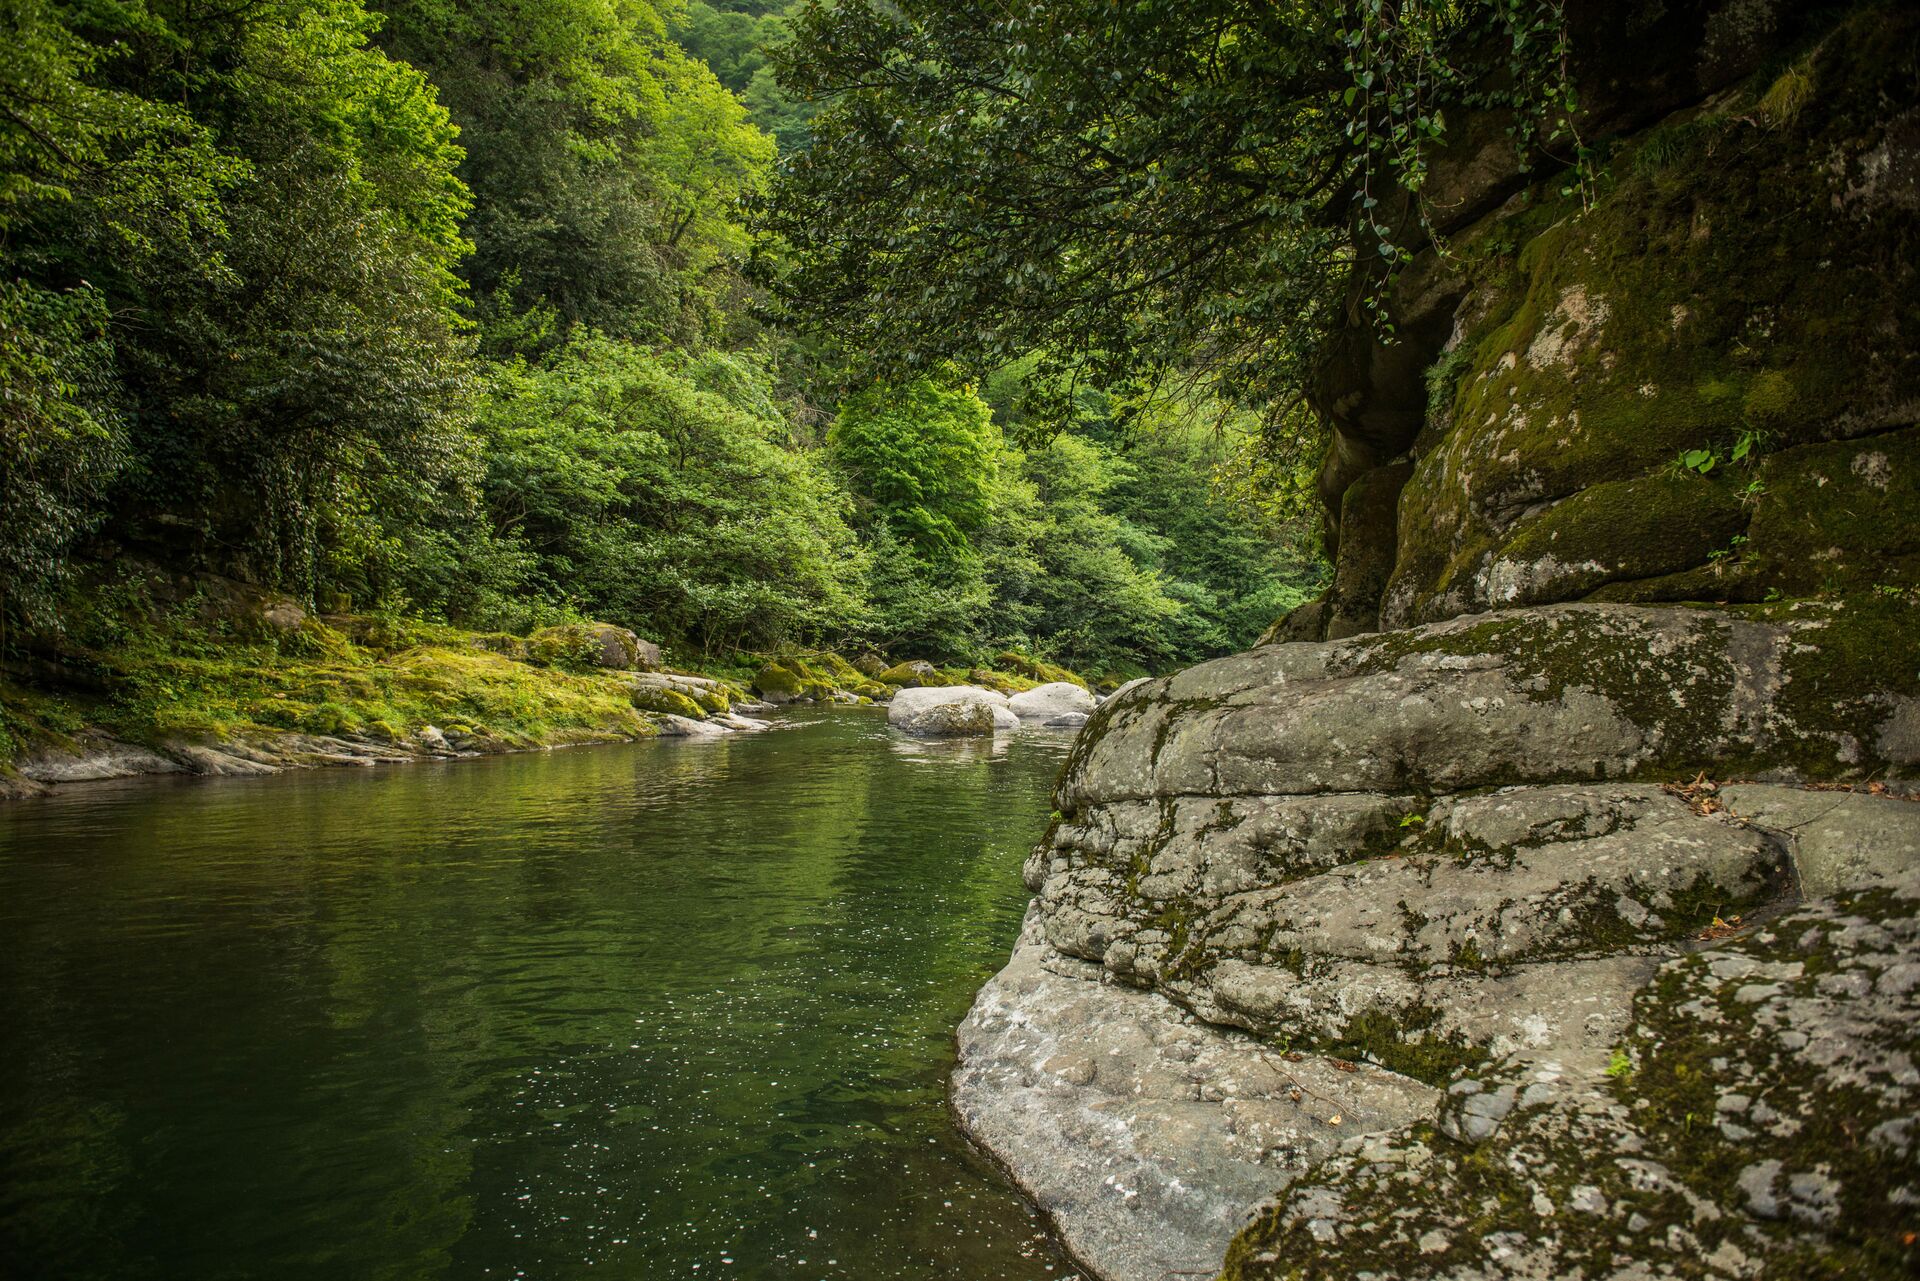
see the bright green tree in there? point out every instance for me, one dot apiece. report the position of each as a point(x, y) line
point(656, 490)
point(607, 166)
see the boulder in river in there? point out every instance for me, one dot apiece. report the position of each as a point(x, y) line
point(952, 709)
point(1055, 698)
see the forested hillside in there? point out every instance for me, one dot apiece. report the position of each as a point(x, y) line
point(444, 311)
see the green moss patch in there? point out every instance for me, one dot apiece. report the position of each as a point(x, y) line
point(1731, 280)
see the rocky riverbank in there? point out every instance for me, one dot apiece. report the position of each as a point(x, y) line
point(207, 676)
point(1327, 920)
point(1502, 916)
point(296, 692)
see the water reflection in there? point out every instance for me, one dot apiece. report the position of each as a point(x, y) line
point(675, 1010)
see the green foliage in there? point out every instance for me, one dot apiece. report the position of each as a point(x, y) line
point(62, 436)
point(923, 458)
point(606, 164)
point(1131, 188)
point(734, 42)
point(653, 490)
point(423, 310)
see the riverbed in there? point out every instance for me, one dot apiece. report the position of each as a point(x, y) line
point(663, 1010)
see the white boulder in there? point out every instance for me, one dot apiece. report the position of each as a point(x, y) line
point(952, 709)
point(1045, 702)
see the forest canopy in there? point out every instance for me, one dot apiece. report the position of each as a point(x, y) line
point(1135, 190)
point(444, 309)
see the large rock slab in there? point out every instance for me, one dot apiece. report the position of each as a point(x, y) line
point(1146, 1135)
point(1760, 1122)
point(1568, 692)
point(1839, 840)
point(92, 761)
point(949, 710)
point(1425, 933)
point(1451, 858)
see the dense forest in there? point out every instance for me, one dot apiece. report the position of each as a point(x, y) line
point(477, 313)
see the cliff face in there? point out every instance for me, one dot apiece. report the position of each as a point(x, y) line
point(1438, 934)
point(1743, 289)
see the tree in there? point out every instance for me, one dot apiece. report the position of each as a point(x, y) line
point(237, 228)
point(654, 489)
point(99, 189)
point(923, 458)
point(1129, 188)
point(606, 165)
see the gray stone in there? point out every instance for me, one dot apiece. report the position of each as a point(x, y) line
point(93, 760)
point(949, 710)
point(1444, 856)
point(1146, 1135)
point(1056, 698)
point(1839, 840)
point(1596, 692)
point(1823, 1168)
point(671, 726)
point(950, 718)
point(434, 741)
point(1301, 913)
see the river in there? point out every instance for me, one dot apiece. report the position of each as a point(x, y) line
point(665, 1010)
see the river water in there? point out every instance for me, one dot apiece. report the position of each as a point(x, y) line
point(667, 1010)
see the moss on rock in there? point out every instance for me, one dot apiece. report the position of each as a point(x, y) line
point(1037, 670)
point(1760, 291)
point(654, 698)
point(1758, 1123)
point(1625, 529)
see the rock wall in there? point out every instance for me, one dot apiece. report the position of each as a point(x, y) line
point(1742, 288)
point(1331, 894)
point(1435, 951)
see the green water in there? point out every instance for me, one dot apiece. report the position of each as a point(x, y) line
point(668, 1010)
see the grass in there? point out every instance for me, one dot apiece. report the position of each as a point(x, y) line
point(188, 682)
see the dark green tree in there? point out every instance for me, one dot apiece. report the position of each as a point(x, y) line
point(1128, 188)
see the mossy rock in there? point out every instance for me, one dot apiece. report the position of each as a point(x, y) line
point(1367, 545)
point(999, 682)
point(712, 699)
point(1758, 291)
point(779, 679)
point(505, 644)
point(1036, 670)
point(914, 674)
point(1627, 529)
point(1759, 1112)
point(586, 646)
point(653, 698)
point(828, 666)
point(1839, 517)
point(791, 680)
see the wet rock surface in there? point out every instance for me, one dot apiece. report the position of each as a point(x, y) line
point(1146, 1134)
